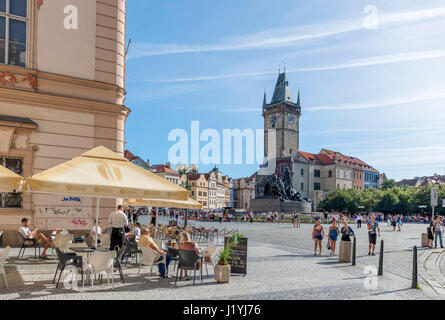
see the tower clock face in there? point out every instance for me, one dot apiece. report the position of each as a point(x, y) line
point(291, 119)
point(273, 119)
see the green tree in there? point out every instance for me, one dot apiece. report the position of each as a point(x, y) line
point(388, 184)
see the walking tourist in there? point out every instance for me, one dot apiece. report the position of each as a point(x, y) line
point(359, 221)
point(333, 234)
point(118, 221)
point(437, 232)
point(293, 219)
point(187, 244)
point(373, 228)
point(394, 223)
point(153, 217)
point(147, 241)
point(26, 233)
point(317, 236)
point(430, 231)
point(298, 220)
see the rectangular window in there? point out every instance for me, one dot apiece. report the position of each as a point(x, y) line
point(11, 200)
point(317, 173)
point(13, 32)
point(302, 172)
point(317, 186)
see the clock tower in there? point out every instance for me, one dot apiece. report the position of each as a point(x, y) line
point(283, 115)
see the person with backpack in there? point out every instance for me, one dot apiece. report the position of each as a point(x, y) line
point(373, 227)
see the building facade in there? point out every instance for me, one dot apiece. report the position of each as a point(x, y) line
point(138, 161)
point(199, 188)
point(314, 175)
point(244, 192)
point(62, 88)
point(165, 171)
point(212, 189)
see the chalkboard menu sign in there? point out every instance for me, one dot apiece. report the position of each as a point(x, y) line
point(238, 256)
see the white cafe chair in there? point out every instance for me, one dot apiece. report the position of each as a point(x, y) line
point(3, 256)
point(149, 256)
point(101, 262)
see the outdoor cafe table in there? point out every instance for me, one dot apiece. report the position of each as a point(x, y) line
point(88, 251)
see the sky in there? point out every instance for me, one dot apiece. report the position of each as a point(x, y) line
point(370, 75)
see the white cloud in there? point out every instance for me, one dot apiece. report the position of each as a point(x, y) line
point(275, 38)
point(375, 129)
point(426, 96)
point(364, 62)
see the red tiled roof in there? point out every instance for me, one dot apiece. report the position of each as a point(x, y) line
point(129, 156)
point(163, 168)
point(348, 160)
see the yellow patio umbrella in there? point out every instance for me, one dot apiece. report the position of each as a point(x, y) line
point(184, 204)
point(103, 173)
point(9, 180)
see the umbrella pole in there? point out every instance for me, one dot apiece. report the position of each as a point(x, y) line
point(97, 219)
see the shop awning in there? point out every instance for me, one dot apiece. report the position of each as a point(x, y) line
point(103, 173)
point(9, 180)
point(187, 204)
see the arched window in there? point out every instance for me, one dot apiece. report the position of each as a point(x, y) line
point(330, 173)
point(302, 186)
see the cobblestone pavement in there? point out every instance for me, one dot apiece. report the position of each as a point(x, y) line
point(281, 265)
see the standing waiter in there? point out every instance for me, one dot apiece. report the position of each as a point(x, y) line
point(118, 221)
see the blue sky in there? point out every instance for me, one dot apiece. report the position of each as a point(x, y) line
point(377, 94)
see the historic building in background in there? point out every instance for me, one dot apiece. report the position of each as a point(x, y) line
point(283, 115)
point(138, 161)
point(313, 175)
point(165, 171)
point(212, 182)
point(62, 92)
point(434, 180)
point(199, 188)
point(244, 192)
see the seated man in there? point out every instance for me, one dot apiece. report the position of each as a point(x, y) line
point(91, 240)
point(147, 241)
point(135, 234)
point(26, 233)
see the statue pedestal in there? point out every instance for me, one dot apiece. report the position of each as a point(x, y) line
point(270, 204)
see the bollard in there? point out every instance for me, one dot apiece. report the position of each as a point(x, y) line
point(414, 283)
point(381, 259)
point(354, 252)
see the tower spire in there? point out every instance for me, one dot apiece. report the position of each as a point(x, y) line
point(264, 99)
point(298, 99)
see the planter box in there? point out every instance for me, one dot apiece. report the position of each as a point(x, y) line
point(222, 273)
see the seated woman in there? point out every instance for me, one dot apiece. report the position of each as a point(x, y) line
point(187, 244)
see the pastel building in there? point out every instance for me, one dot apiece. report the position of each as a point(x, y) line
point(62, 92)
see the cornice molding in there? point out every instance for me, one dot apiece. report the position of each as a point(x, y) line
point(19, 96)
point(60, 78)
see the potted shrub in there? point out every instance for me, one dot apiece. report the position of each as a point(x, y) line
point(222, 269)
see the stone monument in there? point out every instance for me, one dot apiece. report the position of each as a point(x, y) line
point(276, 194)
